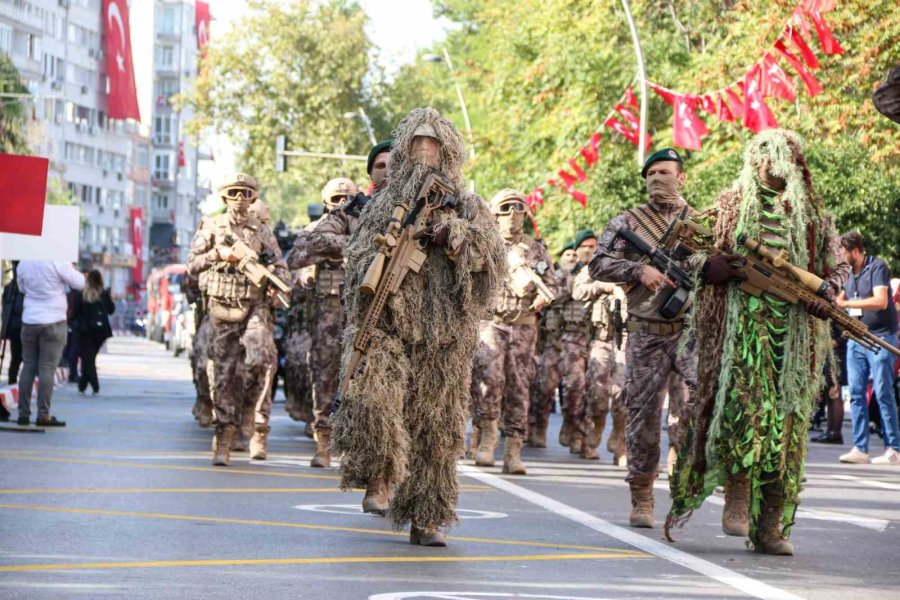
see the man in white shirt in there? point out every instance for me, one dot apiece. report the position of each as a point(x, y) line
point(44, 284)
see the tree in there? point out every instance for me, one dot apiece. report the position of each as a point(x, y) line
point(292, 68)
point(541, 75)
point(12, 110)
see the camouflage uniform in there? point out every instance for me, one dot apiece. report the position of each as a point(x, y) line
point(242, 348)
point(298, 379)
point(548, 375)
point(604, 387)
point(653, 343)
point(503, 370)
point(575, 346)
point(194, 290)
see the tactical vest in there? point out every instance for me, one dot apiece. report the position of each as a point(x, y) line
point(328, 280)
point(230, 287)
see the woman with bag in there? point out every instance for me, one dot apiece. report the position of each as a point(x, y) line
point(92, 309)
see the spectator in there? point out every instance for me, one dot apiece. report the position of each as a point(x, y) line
point(866, 296)
point(835, 378)
point(43, 332)
point(70, 352)
point(11, 331)
point(93, 306)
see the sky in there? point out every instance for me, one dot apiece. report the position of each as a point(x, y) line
point(398, 35)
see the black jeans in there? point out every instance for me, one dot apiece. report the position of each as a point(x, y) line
point(15, 356)
point(88, 347)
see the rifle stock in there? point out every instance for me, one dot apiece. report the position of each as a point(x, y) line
point(258, 274)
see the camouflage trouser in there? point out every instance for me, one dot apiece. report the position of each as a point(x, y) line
point(325, 358)
point(650, 358)
point(503, 372)
point(575, 360)
point(298, 389)
point(678, 409)
point(605, 379)
point(244, 360)
point(546, 381)
point(199, 360)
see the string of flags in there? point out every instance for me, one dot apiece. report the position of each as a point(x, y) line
point(742, 102)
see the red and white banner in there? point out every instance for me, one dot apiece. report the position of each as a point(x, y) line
point(137, 245)
point(201, 21)
point(123, 103)
point(23, 180)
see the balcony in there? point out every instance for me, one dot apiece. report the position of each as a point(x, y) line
point(162, 182)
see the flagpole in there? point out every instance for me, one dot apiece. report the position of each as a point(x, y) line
point(642, 79)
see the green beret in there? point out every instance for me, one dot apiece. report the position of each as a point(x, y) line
point(569, 246)
point(664, 154)
point(377, 149)
point(584, 234)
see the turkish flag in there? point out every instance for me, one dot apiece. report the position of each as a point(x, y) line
point(805, 51)
point(663, 93)
point(687, 127)
point(708, 104)
point(181, 160)
point(580, 197)
point(622, 130)
point(123, 103)
point(735, 103)
point(579, 172)
point(829, 43)
point(201, 22)
point(569, 180)
point(723, 113)
point(757, 115)
point(589, 152)
point(630, 98)
point(775, 82)
point(813, 87)
point(23, 180)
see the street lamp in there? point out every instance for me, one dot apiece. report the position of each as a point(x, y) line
point(365, 119)
point(459, 95)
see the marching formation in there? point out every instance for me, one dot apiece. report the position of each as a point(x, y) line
point(422, 311)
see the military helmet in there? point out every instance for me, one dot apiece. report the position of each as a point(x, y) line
point(339, 186)
point(239, 181)
point(509, 197)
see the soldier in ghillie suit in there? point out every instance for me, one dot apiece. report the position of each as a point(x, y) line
point(503, 371)
point(548, 361)
point(241, 346)
point(402, 421)
point(760, 359)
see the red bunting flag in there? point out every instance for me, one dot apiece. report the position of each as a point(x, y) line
point(735, 103)
point(757, 115)
point(579, 172)
point(634, 123)
point(775, 82)
point(723, 113)
point(829, 43)
point(123, 103)
point(663, 93)
point(580, 197)
point(23, 180)
point(621, 129)
point(629, 97)
point(809, 57)
point(569, 180)
point(687, 127)
point(813, 87)
point(590, 152)
point(708, 104)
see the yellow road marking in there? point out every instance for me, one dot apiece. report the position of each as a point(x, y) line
point(123, 513)
point(230, 470)
point(174, 491)
point(311, 561)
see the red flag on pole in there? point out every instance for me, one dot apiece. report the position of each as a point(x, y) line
point(181, 160)
point(757, 115)
point(813, 87)
point(201, 22)
point(23, 180)
point(687, 127)
point(123, 103)
point(775, 82)
point(137, 244)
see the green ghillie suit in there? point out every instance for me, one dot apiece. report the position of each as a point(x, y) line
point(403, 417)
point(760, 359)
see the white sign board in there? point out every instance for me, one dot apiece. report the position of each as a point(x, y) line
point(58, 239)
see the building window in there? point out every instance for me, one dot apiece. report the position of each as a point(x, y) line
point(6, 38)
point(165, 56)
point(162, 129)
point(161, 201)
point(166, 24)
point(33, 47)
point(161, 166)
point(165, 89)
point(143, 159)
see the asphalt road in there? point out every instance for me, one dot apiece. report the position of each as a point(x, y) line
point(123, 503)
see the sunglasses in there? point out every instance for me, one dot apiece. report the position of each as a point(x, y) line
point(246, 193)
point(511, 207)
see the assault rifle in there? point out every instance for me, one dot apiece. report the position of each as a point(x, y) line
point(665, 261)
point(767, 270)
point(251, 265)
point(521, 275)
point(401, 249)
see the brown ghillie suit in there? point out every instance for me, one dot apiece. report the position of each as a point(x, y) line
point(404, 415)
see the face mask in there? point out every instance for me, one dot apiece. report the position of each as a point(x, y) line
point(511, 225)
point(238, 209)
point(664, 189)
point(585, 254)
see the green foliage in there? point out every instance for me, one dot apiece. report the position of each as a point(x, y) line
point(12, 110)
point(291, 68)
point(58, 194)
point(540, 76)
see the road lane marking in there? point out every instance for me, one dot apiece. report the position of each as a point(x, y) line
point(230, 470)
point(728, 577)
point(869, 482)
point(176, 517)
point(356, 510)
point(312, 561)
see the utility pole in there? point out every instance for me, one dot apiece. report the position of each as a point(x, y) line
point(642, 81)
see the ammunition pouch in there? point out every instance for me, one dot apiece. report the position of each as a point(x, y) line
point(602, 319)
point(232, 287)
point(551, 320)
point(583, 328)
point(328, 281)
point(228, 313)
point(576, 312)
point(509, 304)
